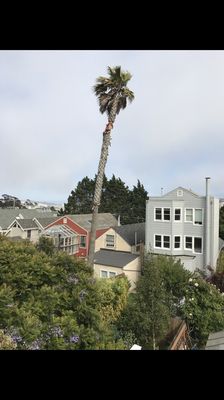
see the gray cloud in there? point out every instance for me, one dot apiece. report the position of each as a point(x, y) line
point(51, 128)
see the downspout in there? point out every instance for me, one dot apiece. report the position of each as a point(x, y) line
point(207, 227)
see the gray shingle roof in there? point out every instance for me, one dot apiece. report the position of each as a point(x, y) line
point(27, 223)
point(132, 232)
point(215, 341)
point(104, 220)
point(7, 216)
point(113, 258)
point(46, 221)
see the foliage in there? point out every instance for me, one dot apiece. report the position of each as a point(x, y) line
point(46, 245)
point(202, 309)
point(220, 262)
point(6, 342)
point(53, 302)
point(147, 314)
point(221, 222)
point(117, 199)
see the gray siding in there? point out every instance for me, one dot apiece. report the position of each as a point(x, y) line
point(181, 228)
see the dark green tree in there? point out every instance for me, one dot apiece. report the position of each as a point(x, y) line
point(147, 315)
point(115, 198)
point(137, 204)
point(80, 200)
point(46, 245)
point(52, 302)
point(221, 222)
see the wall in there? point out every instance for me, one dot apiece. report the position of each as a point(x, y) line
point(120, 243)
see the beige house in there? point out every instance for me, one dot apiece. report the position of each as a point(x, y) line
point(24, 229)
point(109, 263)
point(122, 238)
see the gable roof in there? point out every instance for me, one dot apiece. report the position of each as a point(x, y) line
point(8, 215)
point(27, 223)
point(104, 220)
point(132, 232)
point(46, 221)
point(114, 258)
point(180, 188)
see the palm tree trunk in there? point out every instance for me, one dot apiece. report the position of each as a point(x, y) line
point(99, 180)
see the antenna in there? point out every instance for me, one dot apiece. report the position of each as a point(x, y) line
point(161, 191)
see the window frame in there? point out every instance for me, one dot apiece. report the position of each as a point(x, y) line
point(177, 248)
point(177, 220)
point(106, 242)
point(162, 214)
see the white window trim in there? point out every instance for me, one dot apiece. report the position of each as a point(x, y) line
point(110, 247)
point(162, 220)
point(198, 237)
point(162, 242)
point(180, 193)
point(177, 248)
point(192, 222)
point(198, 208)
point(181, 212)
point(185, 216)
point(192, 249)
point(108, 273)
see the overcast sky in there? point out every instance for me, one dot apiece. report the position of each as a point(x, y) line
point(51, 127)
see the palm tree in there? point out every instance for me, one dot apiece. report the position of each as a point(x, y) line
point(112, 94)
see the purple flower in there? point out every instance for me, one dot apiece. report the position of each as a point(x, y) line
point(82, 295)
point(74, 339)
point(56, 331)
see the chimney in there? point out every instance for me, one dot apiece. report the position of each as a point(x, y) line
point(119, 220)
point(207, 225)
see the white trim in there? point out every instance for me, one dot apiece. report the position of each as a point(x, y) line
point(114, 245)
point(181, 212)
point(185, 212)
point(192, 249)
point(108, 273)
point(177, 248)
point(162, 212)
point(202, 209)
point(185, 242)
point(162, 242)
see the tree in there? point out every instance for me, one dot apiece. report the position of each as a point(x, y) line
point(46, 245)
point(112, 93)
point(147, 315)
point(115, 198)
point(138, 197)
point(53, 301)
point(80, 200)
point(202, 309)
point(221, 222)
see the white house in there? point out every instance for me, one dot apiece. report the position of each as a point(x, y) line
point(184, 225)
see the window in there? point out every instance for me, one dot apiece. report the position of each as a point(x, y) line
point(158, 241)
point(166, 214)
point(29, 234)
point(159, 214)
point(180, 193)
point(64, 220)
point(189, 215)
point(177, 242)
point(107, 274)
point(177, 215)
point(166, 242)
point(198, 216)
point(188, 242)
point(198, 245)
point(109, 240)
point(82, 241)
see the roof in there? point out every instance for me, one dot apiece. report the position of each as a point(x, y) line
point(8, 215)
point(132, 232)
point(46, 221)
point(215, 341)
point(56, 230)
point(114, 258)
point(27, 223)
point(104, 220)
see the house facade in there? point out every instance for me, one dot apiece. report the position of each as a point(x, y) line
point(184, 225)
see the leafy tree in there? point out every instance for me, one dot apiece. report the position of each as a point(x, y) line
point(46, 245)
point(6, 342)
point(80, 200)
point(112, 93)
point(115, 198)
point(221, 222)
point(147, 315)
point(51, 301)
point(202, 309)
point(138, 197)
